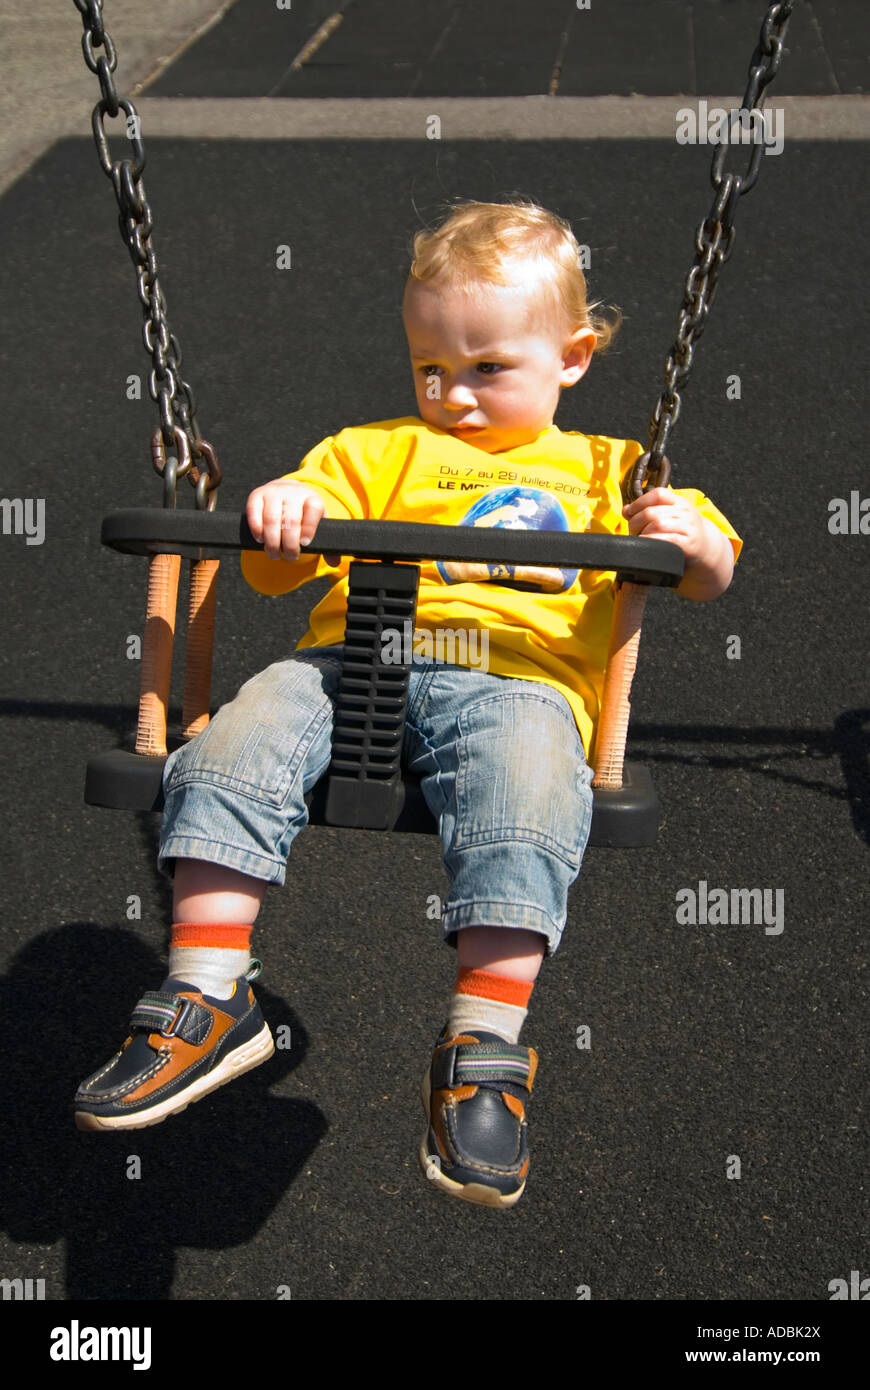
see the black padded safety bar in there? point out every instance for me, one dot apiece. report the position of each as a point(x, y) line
point(155, 530)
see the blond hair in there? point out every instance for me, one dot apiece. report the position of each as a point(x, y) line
point(478, 242)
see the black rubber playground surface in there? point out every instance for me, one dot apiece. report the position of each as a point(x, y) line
point(707, 1042)
point(383, 48)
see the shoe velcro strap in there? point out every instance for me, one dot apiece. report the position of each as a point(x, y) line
point(158, 1010)
point(468, 1064)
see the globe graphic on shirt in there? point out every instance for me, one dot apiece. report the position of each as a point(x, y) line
point(517, 509)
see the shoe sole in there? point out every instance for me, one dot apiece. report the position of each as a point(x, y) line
point(466, 1192)
point(242, 1059)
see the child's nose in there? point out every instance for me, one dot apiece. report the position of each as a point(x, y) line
point(460, 394)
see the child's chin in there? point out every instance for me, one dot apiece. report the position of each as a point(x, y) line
point(488, 440)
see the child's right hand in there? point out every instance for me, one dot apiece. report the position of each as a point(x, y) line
point(284, 515)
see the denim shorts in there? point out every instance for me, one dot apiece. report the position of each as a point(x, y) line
point(502, 766)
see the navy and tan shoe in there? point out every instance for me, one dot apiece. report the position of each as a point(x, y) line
point(474, 1095)
point(182, 1045)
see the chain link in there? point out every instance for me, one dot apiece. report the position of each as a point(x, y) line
point(714, 242)
point(166, 385)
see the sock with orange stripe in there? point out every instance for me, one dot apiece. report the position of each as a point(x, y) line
point(494, 1003)
point(210, 956)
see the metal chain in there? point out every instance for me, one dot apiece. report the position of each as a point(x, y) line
point(714, 242)
point(166, 385)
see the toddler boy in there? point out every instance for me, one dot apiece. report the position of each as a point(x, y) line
point(498, 325)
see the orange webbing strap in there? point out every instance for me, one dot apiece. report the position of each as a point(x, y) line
point(163, 571)
point(621, 662)
point(200, 646)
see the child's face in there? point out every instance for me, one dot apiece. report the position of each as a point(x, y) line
point(489, 366)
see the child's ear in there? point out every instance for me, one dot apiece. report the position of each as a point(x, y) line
point(577, 355)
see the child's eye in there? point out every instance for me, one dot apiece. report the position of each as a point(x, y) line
point(430, 371)
point(488, 367)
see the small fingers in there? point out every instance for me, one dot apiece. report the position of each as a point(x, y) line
point(282, 517)
point(254, 515)
point(312, 511)
point(656, 497)
point(281, 525)
point(654, 521)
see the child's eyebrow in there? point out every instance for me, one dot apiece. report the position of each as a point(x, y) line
point(484, 355)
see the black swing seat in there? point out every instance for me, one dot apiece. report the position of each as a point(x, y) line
point(366, 786)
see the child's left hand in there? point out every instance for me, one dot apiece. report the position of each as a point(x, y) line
point(662, 515)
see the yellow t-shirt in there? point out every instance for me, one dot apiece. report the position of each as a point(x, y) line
point(554, 628)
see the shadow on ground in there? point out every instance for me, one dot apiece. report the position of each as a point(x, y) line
point(210, 1178)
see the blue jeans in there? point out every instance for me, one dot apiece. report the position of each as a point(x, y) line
point(503, 772)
